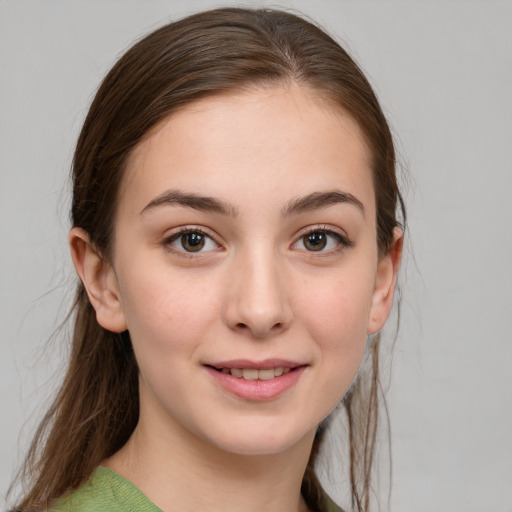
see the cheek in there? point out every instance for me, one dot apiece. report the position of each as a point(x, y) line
point(336, 317)
point(338, 310)
point(168, 314)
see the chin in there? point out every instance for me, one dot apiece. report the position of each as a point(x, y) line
point(264, 441)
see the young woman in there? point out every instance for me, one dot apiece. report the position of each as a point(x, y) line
point(237, 231)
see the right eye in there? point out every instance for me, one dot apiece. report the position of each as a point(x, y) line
point(191, 241)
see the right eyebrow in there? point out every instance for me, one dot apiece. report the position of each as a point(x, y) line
point(190, 200)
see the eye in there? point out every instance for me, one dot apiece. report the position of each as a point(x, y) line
point(191, 241)
point(321, 240)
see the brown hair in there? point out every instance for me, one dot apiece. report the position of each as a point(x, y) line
point(212, 52)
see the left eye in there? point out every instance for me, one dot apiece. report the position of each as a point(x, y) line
point(320, 240)
point(192, 241)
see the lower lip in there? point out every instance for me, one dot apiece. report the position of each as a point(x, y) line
point(257, 390)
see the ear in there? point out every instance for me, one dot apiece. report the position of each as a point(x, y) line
point(99, 280)
point(385, 282)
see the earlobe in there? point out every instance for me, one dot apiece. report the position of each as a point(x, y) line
point(99, 280)
point(385, 282)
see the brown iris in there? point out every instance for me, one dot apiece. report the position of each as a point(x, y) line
point(192, 242)
point(315, 241)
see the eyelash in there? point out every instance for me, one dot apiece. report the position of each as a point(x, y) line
point(186, 230)
point(342, 241)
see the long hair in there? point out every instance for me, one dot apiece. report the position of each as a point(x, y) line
point(209, 53)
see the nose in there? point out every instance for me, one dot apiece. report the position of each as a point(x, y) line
point(257, 296)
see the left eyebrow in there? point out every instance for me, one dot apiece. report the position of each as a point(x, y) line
point(318, 200)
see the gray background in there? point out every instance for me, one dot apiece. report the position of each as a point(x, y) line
point(443, 71)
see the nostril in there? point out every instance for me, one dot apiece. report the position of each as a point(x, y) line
point(243, 326)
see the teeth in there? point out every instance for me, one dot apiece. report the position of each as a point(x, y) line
point(255, 374)
point(266, 374)
point(250, 373)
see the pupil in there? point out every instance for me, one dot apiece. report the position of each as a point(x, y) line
point(192, 242)
point(315, 241)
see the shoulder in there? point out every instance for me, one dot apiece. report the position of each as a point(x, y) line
point(104, 491)
point(330, 506)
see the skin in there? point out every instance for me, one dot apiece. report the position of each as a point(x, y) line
point(255, 291)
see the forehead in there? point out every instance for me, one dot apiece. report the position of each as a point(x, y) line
point(285, 139)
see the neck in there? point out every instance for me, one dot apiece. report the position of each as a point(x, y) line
point(189, 474)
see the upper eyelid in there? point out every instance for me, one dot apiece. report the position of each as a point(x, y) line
point(181, 230)
point(326, 228)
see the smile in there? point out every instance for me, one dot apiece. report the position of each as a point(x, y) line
point(256, 380)
point(256, 374)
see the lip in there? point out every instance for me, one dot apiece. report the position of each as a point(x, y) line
point(265, 364)
point(256, 390)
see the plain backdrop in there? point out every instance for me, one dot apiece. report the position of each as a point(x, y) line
point(443, 71)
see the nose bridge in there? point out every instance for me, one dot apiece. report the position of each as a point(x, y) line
point(258, 299)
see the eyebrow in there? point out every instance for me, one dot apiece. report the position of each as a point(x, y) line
point(318, 200)
point(313, 201)
point(190, 200)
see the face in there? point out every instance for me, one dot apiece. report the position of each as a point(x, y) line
point(245, 268)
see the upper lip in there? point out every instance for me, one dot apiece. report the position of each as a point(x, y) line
point(265, 364)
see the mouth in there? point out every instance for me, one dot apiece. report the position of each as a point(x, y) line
point(256, 380)
point(255, 373)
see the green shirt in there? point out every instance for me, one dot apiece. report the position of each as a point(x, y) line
point(106, 490)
